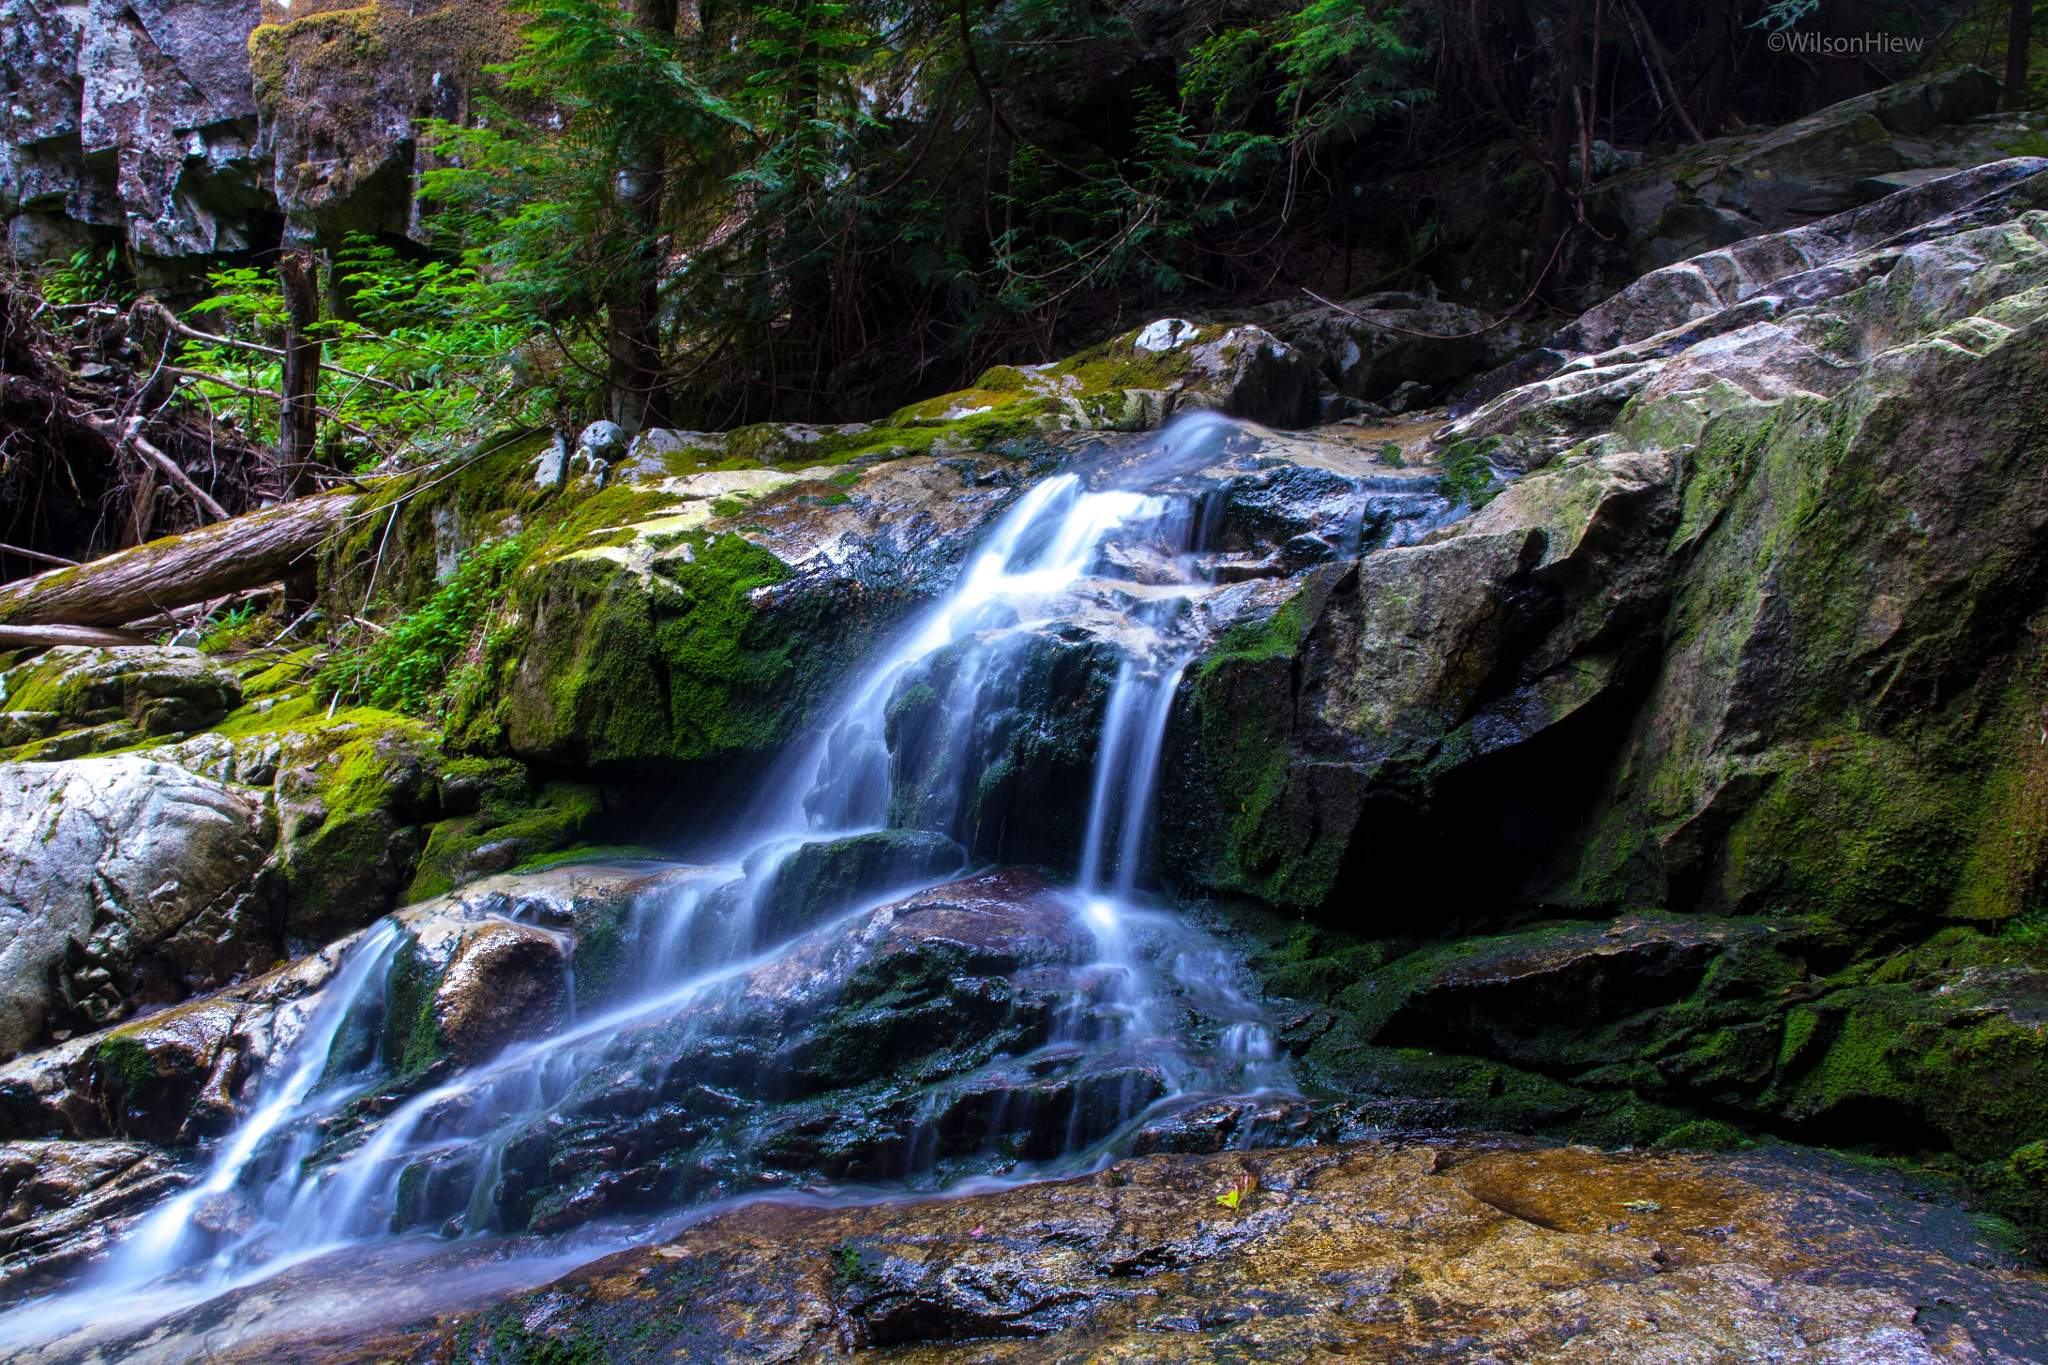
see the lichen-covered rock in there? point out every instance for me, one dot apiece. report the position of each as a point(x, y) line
point(122, 882)
point(1136, 381)
point(341, 90)
point(1776, 681)
point(471, 979)
point(1847, 642)
point(174, 1076)
point(1743, 285)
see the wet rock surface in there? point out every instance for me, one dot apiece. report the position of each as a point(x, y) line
point(850, 1047)
point(112, 698)
point(66, 1202)
point(1711, 627)
point(1472, 1248)
point(1826, 164)
point(125, 882)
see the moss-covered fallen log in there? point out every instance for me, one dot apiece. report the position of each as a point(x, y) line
point(176, 571)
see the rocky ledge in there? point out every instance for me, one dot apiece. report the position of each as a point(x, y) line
point(1466, 1249)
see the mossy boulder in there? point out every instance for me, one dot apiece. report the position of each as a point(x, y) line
point(1683, 1031)
point(338, 87)
point(494, 820)
point(172, 1077)
point(1332, 738)
point(1848, 672)
point(351, 797)
point(127, 695)
point(1136, 381)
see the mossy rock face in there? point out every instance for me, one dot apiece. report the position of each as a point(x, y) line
point(686, 663)
point(146, 692)
point(1412, 701)
point(1695, 1032)
point(169, 1078)
point(350, 803)
point(1768, 768)
point(337, 87)
point(823, 879)
point(509, 824)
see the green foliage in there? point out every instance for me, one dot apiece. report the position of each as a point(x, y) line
point(1333, 66)
point(2027, 932)
point(1783, 14)
point(86, 276)
point(430, 355)
point(753, 177)
point(408, 667)
point(228, 630)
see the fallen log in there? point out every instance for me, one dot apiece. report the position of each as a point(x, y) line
point(176, 571)
point(42, 637)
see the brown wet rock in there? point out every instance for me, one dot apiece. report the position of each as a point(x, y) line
point(1463, 1249)
point(505, 983)
point(64, 1202)
point(897, 1027)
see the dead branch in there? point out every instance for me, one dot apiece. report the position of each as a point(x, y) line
point(131, 436)
point(43, 637)
point(37, 555)
point(152, 308)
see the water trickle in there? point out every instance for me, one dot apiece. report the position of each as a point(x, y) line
point(328, 1158)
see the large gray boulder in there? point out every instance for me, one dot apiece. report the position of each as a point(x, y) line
point(135, 120)
point(123, 881)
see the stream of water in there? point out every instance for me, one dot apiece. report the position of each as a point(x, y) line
point(280, 1189)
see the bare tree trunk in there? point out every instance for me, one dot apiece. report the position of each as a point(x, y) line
point(228, 556)
point(298, 436)
point(2019, 38)
point(1841, 78)
point(1568, 61)
point(632, 322)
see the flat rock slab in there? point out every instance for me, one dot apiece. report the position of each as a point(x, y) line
point(1467, 1249)
point(1372, 1250)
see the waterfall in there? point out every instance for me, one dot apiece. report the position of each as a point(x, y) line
point(1041, 565)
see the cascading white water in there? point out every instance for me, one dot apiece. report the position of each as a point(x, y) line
point(1032, 570)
